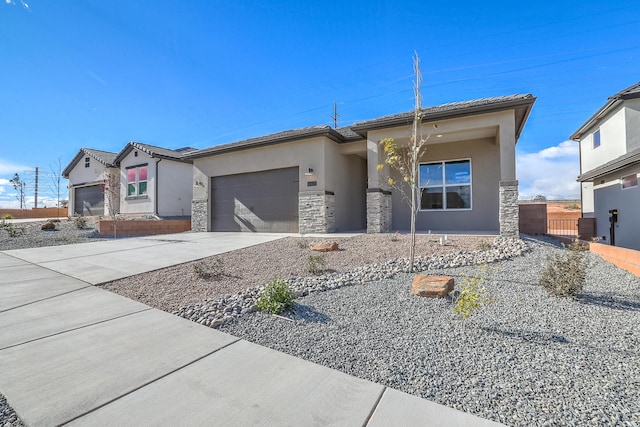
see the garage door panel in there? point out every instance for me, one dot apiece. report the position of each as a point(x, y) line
point(264, 201)
point(89, 200)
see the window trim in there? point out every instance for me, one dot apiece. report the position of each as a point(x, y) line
point(444, 185)
point(87, 162)
point(599, 138)
point(137, 182)
point(635, 175)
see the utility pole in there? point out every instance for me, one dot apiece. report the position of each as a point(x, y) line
point(335, 115)
point(32, 180)
point(35, 203)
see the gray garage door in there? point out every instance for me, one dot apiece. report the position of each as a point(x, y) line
point(89, 201)
point(259, 201)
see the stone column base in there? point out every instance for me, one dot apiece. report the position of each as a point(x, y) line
point(199, 215)
point(316, 212)
point(509, 209)
point(378, 210)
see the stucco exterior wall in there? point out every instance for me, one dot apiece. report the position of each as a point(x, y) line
point(610, 195)
point(485, 178)
point(632, 120)
point(587, 200)
point(139, 204)
point(175, 188)
point(347, 179)
point(612, 142)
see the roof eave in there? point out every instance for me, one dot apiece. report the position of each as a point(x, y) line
point(443, 115)
point(593, 120)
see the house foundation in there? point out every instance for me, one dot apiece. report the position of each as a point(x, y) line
point(509, 209)
point(316, 212)
point(378, 210)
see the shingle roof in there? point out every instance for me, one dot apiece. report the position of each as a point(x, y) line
point(455, 109)
point(274, 138)
point(152, 150)
point(632, 92)
point(631, 158)
point(106, 158)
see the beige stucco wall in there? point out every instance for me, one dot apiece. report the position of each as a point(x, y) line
point(175, 188)
point(485, 177)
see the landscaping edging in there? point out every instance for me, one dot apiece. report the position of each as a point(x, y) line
point(143, 227)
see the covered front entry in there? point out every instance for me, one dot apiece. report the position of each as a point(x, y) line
point(89, 200)
point(265, 201)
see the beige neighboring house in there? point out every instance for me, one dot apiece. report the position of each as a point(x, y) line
point(610, 167)
point(322, 180)
point(154, 180)
point(87, 173)
point(148, 180)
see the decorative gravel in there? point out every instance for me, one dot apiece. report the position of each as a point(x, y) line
point(527, 359)
point(29, 235)
point(8, 417)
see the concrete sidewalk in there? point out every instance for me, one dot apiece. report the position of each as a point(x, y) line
point(73, 353)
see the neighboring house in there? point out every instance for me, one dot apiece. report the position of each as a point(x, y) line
point(87, 173)
point(318, 179)
point(154, 180)
point(147, 180)
point(610, 165)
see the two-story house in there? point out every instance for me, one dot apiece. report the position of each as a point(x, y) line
point(609, 168)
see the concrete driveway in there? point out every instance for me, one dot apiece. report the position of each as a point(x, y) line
point(75, 354)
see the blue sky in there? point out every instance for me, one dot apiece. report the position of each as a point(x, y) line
point(199, 73)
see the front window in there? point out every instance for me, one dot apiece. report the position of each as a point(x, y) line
point(137, 181)
point(596, 139)
point(445, 185)
point(629, 181)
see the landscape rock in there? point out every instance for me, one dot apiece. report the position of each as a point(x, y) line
point(432, 286)
point(325, 247)
point(49, 225)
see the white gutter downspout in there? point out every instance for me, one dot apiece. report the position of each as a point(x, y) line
point(155, 200)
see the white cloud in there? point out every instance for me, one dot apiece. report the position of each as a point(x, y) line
point(7, 167)
point(551, 172)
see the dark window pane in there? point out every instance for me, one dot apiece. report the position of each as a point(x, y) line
point(459, 197)
point(430, 174)
point(131, 190)
point(458, 172)
point(596, 139)
point(143, 188)
point(431, 198)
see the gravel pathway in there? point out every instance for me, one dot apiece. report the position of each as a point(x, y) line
point(528, 359)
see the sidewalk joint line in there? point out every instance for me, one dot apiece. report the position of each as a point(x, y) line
point(373, 410)
point(148, 383)
point(77, 328)
point(46, 298)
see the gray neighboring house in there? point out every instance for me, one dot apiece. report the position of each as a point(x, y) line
point(321, 180)
point(610, 166)
point(87, 173)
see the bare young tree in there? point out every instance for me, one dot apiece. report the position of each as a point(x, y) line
point(55, 179)
point(406, 160)
point(20, 186)
point(111, 187)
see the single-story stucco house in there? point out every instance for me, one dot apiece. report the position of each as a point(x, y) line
point(146, 180)
point(321, 180)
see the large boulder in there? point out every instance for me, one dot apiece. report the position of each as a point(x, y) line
point(432, 286)
point(325, 247)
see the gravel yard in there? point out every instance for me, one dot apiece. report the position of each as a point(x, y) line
point(21, 235)
point(528, 359)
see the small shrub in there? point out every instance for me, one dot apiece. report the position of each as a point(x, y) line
point(315, 264)
point(276, 297)
point(472, 296)
point(80, 222)
point(10, 229)
point(483, 245)
point(6, 216)
point(303, 243)
point(566, 273)
point(208, 270)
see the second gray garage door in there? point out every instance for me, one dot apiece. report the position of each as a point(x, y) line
point(264, 201)
point(89, 200)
